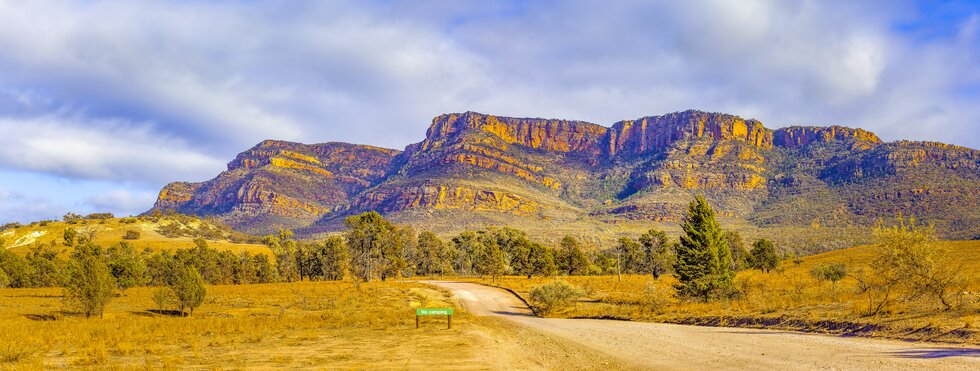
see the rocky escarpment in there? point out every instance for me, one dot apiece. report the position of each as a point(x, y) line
point(546, 170)
point(799, 136)
point(651, 134)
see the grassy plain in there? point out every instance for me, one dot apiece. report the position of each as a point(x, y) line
point(318, 325)
point(787, 298)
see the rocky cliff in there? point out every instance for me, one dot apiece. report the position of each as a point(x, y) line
point(473, 168)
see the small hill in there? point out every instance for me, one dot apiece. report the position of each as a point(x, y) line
point(155, 233)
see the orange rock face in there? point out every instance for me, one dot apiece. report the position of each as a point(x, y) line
point(655, 133)
point(798, 136)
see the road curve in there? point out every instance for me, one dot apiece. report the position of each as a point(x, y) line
point(665, 346)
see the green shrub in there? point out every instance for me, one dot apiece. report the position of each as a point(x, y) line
point(132, 235)
point(554, 296)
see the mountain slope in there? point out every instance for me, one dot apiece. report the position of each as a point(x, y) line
point(557, 176)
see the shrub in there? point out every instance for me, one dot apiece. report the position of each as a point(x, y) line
point(657, 297)
point(829, 272)
point(132, 235)
point(554, 296)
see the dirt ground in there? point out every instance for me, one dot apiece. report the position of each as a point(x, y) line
point(664, 346)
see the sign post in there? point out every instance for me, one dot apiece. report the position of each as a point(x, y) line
point(448, 312)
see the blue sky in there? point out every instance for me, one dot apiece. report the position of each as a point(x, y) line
point(104, 102)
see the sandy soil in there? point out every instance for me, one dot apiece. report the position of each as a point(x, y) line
point(663, 346)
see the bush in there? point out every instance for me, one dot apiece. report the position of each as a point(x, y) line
point(554, 296)
point(132, 235)
point(829, 272)
point(657, 297)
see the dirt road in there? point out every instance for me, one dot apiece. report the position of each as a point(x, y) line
point(665, 346)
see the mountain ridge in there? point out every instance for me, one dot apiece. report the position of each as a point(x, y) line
point(535, 171)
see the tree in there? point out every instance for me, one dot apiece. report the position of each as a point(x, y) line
point(764, 256)
point(465, 246)
point(630, 255)
point(433, 257)
point(659, 256)
point(245, 269)
point(487, 257)
point(571, 259)
point(264, 271)
point(46, 269)
point(333, 258)
point(188, 287)
point(89, 285)
point(375, 246)
point(69, 236)
point(703, 263)
point(126, 265)
point(542, 260)
point(740, 255)
point(284, 247)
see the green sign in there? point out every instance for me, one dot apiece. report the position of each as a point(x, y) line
point(433, 311)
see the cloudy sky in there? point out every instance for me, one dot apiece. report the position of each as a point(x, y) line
point(104, 102)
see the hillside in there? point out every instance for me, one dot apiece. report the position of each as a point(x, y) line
point(155, 234)
point(810, 188)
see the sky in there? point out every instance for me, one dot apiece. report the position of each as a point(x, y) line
point(104, 102)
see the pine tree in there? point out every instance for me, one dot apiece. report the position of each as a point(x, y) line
point(703, 263)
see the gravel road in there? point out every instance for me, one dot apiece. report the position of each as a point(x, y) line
point(659, 346)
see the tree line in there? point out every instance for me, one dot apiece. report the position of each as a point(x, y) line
point(703, 259)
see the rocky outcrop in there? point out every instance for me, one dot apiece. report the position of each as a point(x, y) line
point(548, 135)
point(656, 133)
point(799, 136)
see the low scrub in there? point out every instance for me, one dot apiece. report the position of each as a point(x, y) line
point(553, 297)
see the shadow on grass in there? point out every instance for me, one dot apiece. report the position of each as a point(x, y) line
point(509, 313)
point(41, 317)
point(151, 312)
point(938, 353)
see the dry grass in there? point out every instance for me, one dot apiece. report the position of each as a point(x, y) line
point(789, 298)
point(336, 324)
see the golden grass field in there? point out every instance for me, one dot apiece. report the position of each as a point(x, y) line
point(109, 232)
point(787, 298)
point(317, 325)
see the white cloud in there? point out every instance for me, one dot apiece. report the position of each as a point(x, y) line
point(77, 147)
point(122, 202)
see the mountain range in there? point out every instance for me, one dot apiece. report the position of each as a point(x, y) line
point(811, 187)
